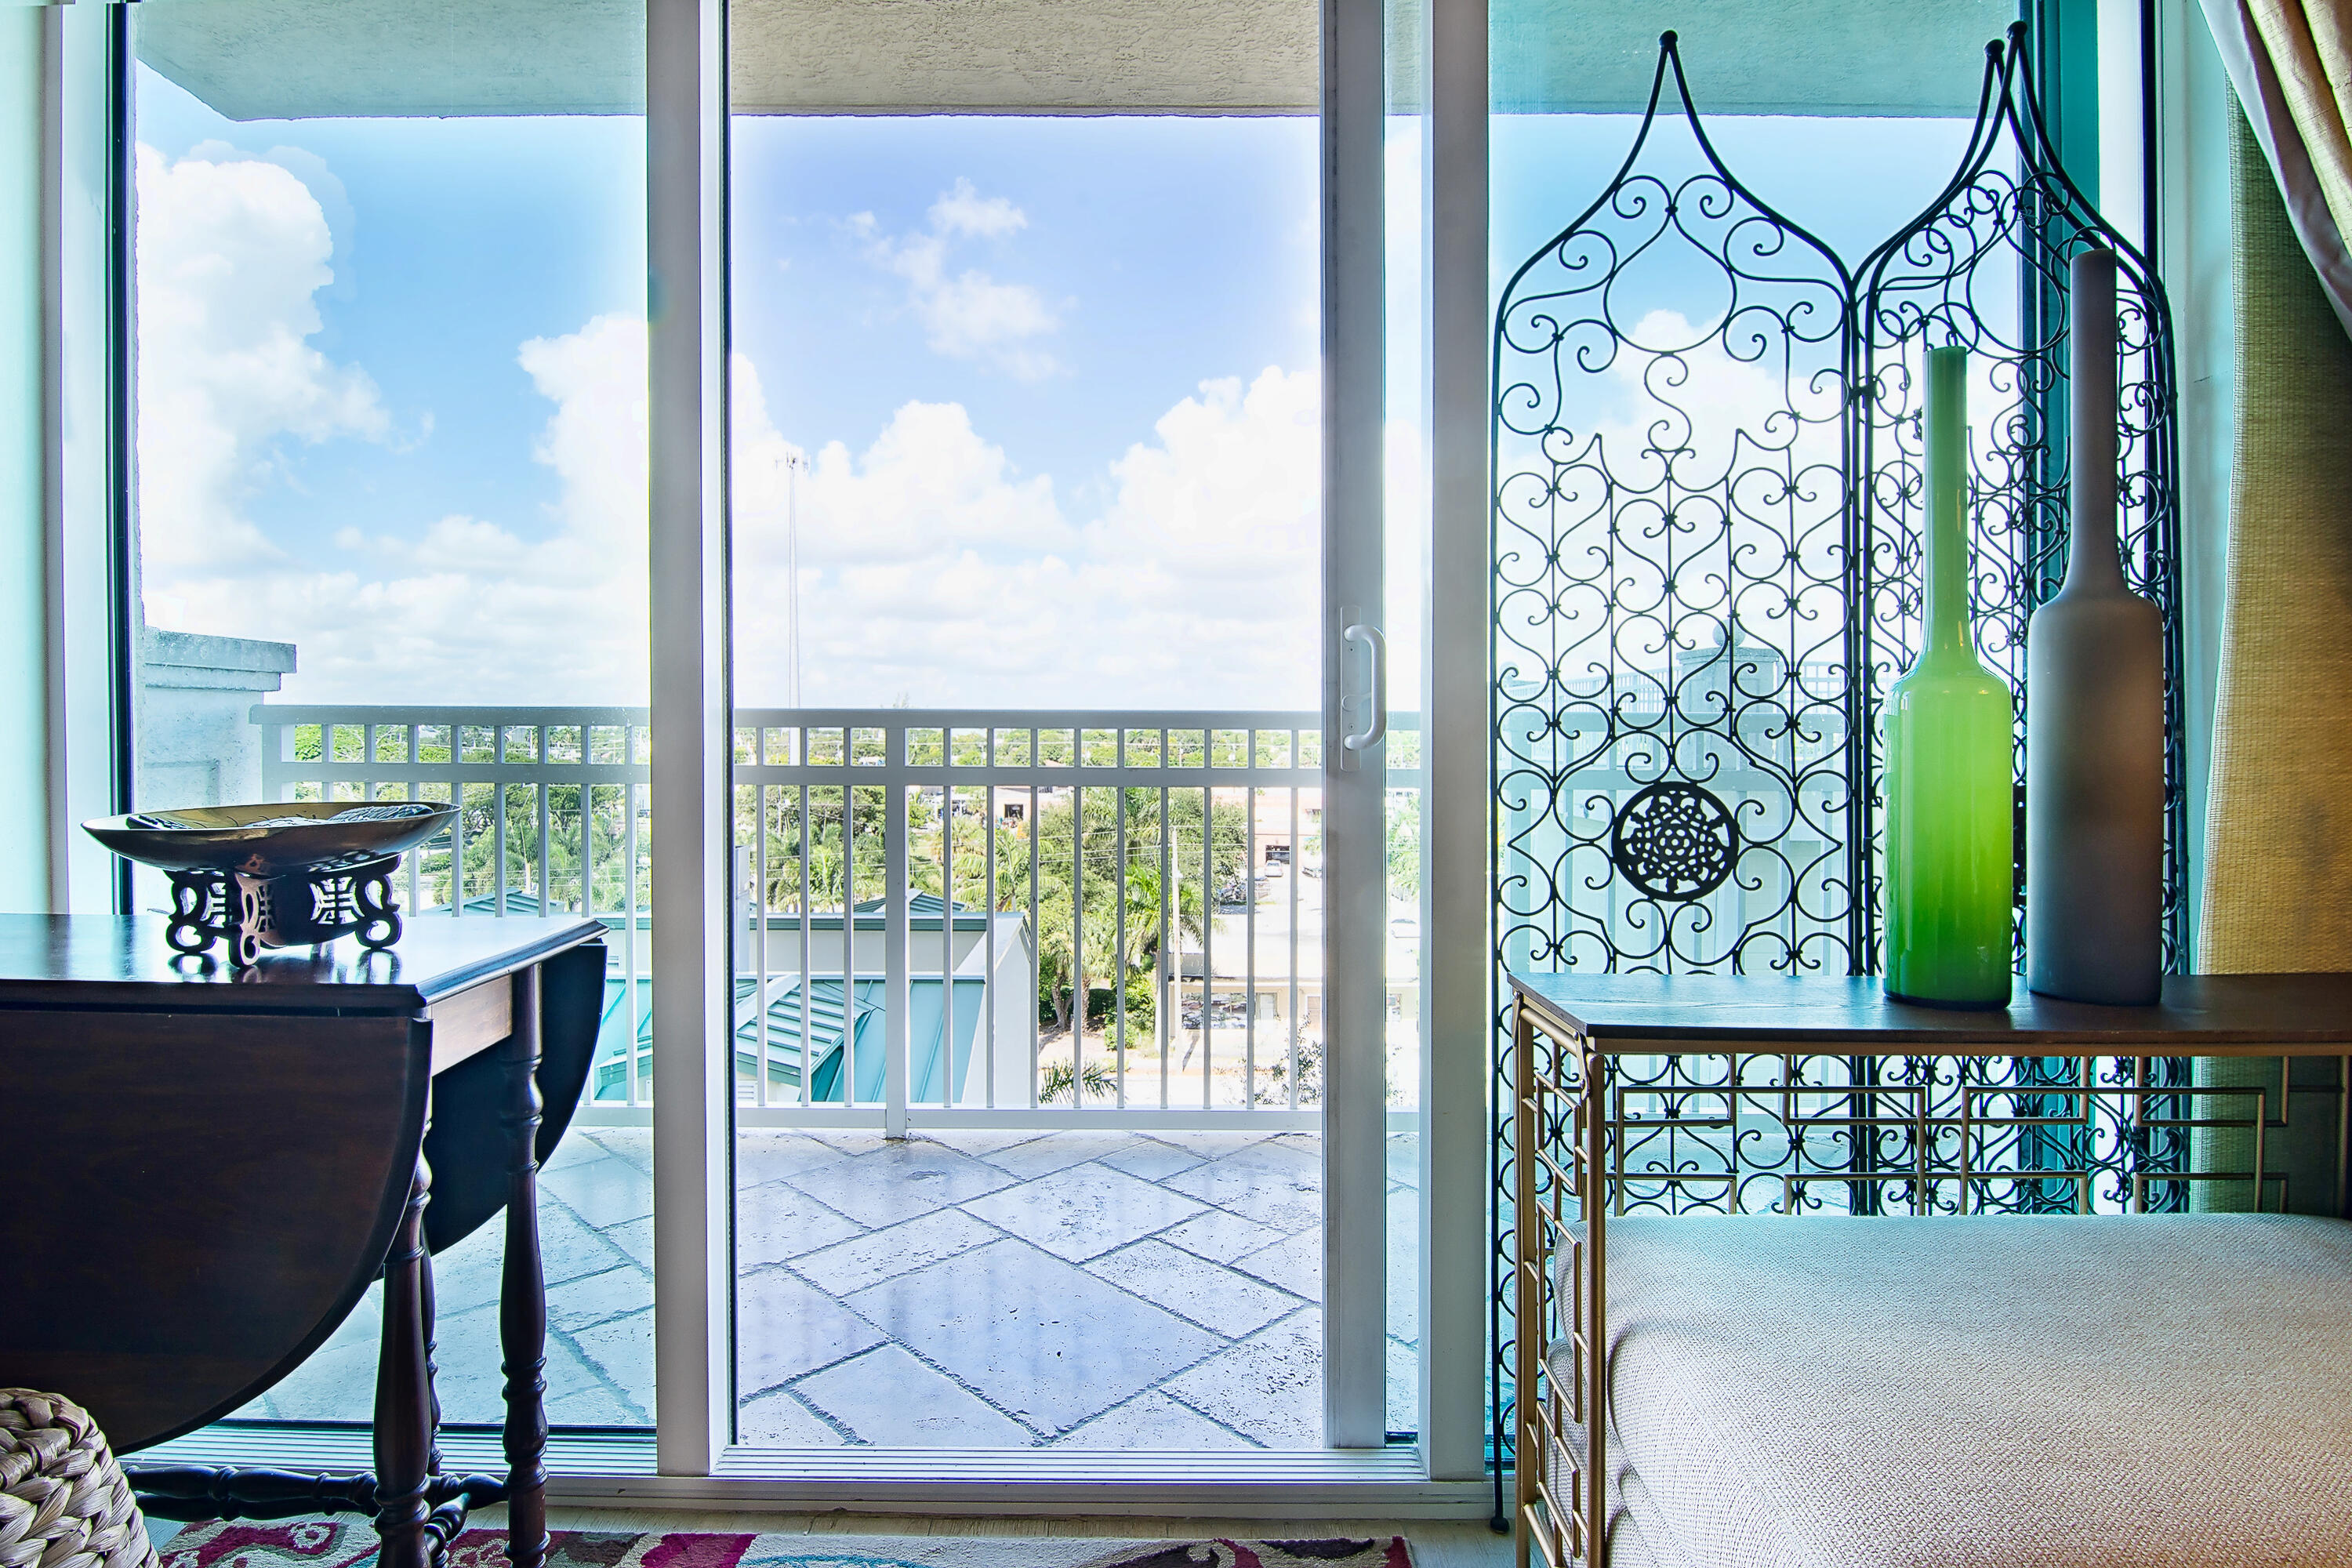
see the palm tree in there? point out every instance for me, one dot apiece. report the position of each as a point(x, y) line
point(1128, 850)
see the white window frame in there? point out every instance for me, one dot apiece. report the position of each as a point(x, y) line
point(691, 1455)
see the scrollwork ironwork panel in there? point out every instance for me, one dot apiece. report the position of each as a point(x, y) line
point(1672, 584)
point(1986, 269)
point(1706, 514)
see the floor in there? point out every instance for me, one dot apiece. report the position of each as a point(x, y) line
point(1436, 1543)
point(967, 1289)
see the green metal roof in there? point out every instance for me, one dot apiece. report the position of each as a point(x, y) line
point(837, 1016)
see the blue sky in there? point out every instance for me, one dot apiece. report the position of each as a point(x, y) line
point(1170, 251)
point(455, 240)
point(1039, 393)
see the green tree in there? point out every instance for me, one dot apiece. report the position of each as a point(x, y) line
point(1075, 860)
point(1083, 882)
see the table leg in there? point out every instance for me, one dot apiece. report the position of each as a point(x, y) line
point(403, 1389)
point(522, 1289)
point(428, 1315)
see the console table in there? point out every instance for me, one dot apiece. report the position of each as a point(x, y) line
point(1792, 1099)
point(213, 1166)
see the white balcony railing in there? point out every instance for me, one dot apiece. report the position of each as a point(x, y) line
point(1044, 916)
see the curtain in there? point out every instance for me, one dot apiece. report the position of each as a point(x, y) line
point(2291, 61)
point(2278, 855)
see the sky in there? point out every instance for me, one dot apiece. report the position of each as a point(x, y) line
point(1040, 395)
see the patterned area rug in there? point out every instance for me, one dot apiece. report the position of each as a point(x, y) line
point(351, 1543)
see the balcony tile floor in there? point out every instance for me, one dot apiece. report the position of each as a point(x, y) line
point(961, 1290)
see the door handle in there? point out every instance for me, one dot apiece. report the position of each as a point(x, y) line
point(1378, 727)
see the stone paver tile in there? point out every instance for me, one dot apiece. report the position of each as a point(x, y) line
point(1404, 1265)
point(779, 1420)
point(1405, 1158)
point(1274, 1186)
point(1212, 1145)
point(574, 1148)
point(602, 1192)
point(1084, 1211)
point(336, 1384)
point(1295, 1263)
point(568, 1249)
point(1269, 1386)
point(767, 1153)
point(577, 1303)
point(1221, 1237)
point(469, 1274)
point(622, 1350)
point(778, 1220)
point(364, 1326)
point(979, 1143)
point(1209, 1294)
point(635, 1144)
point(1057, 1151)
point(1044, 1341)
point(1151, 1159)
point(1152, 1422)
point(637, 1239)
point(347, 1355)
point(850, 1141)
point(1297, 1153)
point(784, 1327)
point(1404, 1386)
point(467, 1371)
point(890, 1399)
point(898, 1181)
point(876, 1255)
point(594, 1406)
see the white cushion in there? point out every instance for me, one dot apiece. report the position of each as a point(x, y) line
point(2024, 1392)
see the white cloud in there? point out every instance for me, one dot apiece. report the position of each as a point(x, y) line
point(930, 564)
point(1230, 490)
point(963, 210)
point(929, 569)
point(470, 610)
point(1741, 445)
point(232, 252)
point(967, 314)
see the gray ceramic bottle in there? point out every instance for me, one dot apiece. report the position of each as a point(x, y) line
point(2094, 718)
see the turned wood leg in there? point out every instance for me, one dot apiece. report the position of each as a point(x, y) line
point(427, 1312)
point(522, 1289)
point(403, 1389)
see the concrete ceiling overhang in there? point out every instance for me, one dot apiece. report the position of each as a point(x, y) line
point(254, 59)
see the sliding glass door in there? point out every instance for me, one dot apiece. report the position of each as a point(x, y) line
point(1067, 996)
point(1055, 939)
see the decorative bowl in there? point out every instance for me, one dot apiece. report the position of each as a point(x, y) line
point(279, 839)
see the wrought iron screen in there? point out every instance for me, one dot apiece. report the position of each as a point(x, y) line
point(1709, 497)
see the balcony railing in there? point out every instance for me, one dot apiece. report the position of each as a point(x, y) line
point(1010, 917)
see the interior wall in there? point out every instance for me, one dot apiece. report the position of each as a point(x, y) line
point(2279, 848)
point(23, 870)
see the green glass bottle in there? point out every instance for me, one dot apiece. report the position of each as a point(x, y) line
point(1950, 828)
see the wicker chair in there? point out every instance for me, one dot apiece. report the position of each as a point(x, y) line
point(63, 1502)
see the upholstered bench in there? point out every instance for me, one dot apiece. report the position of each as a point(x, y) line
point(2002, 1391)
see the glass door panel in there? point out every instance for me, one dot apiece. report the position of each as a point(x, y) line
point(392, 532)
point(1028, 587)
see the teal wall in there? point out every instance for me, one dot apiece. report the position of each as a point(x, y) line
point(24, 869)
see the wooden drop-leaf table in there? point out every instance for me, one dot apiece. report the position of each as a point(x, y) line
point(212, 1166)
